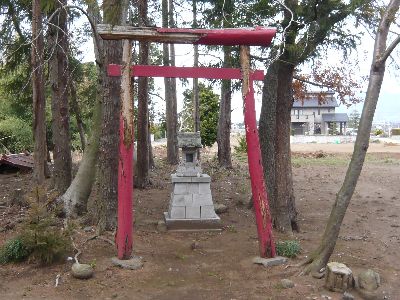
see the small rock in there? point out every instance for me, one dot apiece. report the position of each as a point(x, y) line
point(270, 262)
point(161, 226)
point(195, 245)
point(287, 283)
point(82, 271)
point(220, 208)
point(369, 280)
point(347, 296)
point(326, 297)
point(134, 263)
point(87, 229)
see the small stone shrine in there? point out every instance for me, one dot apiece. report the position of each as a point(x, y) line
point(191, 206)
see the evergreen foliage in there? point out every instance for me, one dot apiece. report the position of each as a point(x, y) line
point(209, 108)
point(288, 248)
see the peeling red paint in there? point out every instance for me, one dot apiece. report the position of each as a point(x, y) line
point(184, 72)
point(259, 192)
point(258, 36)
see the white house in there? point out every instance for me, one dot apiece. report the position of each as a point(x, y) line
point(316, 115)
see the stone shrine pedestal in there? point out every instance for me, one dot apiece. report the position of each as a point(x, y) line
point(191, 207)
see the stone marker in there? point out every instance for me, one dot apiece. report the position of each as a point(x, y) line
point(339, 277)
point(369, 280)
point(134, 263)
point(270, 262)
point(82, 271)
point(191, 206)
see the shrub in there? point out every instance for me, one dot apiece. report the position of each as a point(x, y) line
point(242, 147)
point(41, 240)
point(379, 132)
point(15, 135)
point(288, 248)
point(43, 237)
point(13, 251)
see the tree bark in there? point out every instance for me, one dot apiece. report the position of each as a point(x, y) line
point(196, 99)
point(39, 104)
point(107, 171)
point(285, 211)
point(142, 163)
point(320, 257)
point(170, 99)
point(267, 132)
point(75, 108)
point(58, 38)
point(224, 118)
point(75, 199)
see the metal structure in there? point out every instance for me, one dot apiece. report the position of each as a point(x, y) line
point(244, 37)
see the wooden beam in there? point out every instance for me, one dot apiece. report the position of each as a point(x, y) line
point(184, 72)
point(259, 36)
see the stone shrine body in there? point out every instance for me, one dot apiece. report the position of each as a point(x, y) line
point(191, 206)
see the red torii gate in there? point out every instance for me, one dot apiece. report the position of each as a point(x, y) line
point(228, 37)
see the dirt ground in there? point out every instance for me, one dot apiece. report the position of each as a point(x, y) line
point(220, 267)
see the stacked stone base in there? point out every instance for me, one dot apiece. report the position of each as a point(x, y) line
point(191, 207)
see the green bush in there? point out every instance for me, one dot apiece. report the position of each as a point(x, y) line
point(288, 248)
point(41, 240)
point(15, 135)
point(13, 251)
point(46, 241)
point(242, 147)
point(379, 132)
point(396, 131)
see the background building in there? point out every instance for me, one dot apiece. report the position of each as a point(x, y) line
point(316, 115)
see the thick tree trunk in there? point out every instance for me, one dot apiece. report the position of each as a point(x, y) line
point(142, 163)
point(39, 104)
point(58, 38)
point(321, 256)
point(107, 171)
point(285, 214)
point(224, 118)
point(267, 132)
point(170, 98)
point(75, 108)
point(76, 197)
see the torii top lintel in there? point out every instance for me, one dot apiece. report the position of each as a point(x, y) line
point(258, 36)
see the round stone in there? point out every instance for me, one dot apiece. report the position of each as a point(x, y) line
point(82, 271)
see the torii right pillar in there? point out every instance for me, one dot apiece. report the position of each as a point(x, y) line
point(259, 192)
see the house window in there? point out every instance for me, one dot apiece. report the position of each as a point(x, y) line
point(319, 111)
point(313, 113)
point(300, 112)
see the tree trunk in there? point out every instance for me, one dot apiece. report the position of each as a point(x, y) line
point(224, 118)
point(39, 104)
point(75, 199)
point(285, 214)
point(78, 116)
point(152, 164)
point(142, 163)
point(196, 99)
point(321, 256)
point(62, 174)
point(267, 132)
point(170, 99)
point(107, 172)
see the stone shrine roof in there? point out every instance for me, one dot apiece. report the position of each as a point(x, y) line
point(189, 140)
